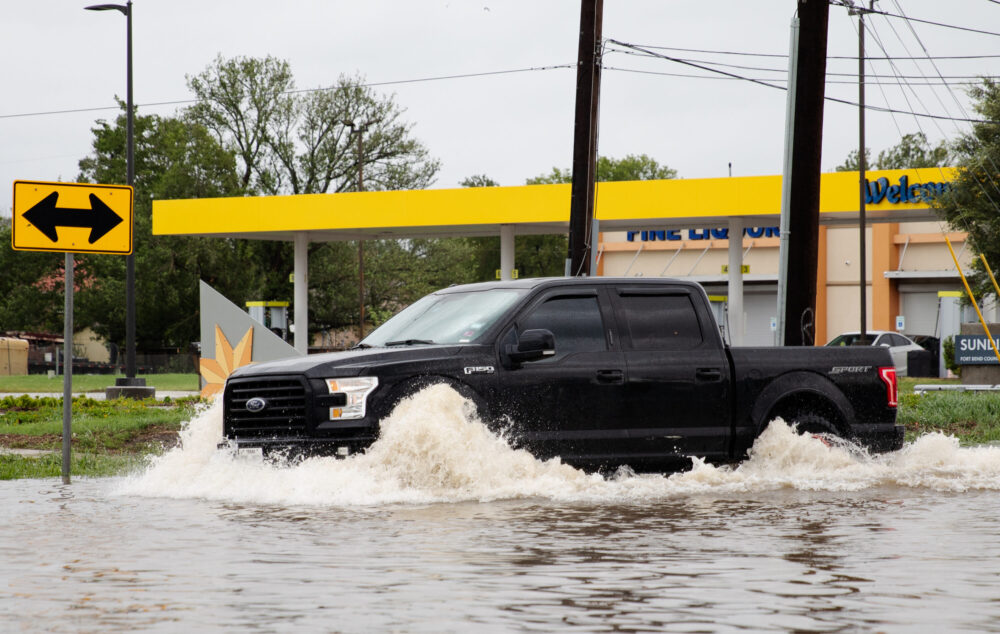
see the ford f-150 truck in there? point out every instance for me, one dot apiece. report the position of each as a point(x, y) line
point(601, 372)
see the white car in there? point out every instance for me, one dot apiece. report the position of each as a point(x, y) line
point(898, 345)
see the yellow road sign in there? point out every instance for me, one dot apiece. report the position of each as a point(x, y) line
point(77, 217)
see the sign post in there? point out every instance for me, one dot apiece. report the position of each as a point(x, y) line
point(67, 430)
point(71, 218)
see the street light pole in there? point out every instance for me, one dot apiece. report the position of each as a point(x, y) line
point(130, 366)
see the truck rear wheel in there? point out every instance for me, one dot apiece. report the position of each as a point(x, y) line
point(814, 424)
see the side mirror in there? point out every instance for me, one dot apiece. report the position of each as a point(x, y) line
point(532, 346)
point(884, 345)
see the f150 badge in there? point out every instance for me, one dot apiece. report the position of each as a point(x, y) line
point(479, 369)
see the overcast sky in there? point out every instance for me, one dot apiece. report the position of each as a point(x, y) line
point(511, 127)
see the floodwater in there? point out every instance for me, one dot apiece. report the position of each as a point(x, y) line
point(441, 527)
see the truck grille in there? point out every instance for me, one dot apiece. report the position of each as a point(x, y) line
point(284, 412)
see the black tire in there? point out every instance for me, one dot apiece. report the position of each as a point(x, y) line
point(814, 424)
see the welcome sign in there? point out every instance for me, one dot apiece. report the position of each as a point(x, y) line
point(903, 191)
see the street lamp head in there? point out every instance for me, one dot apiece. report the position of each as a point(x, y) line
point(109, 7)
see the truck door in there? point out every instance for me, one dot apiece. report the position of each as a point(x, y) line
point(569, 404)
point(678, 385)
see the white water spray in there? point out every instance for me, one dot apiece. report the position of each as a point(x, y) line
point(430, 450)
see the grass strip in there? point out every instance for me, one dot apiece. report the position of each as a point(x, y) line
point(14, 467)
point(109, 437)
point(95, 382)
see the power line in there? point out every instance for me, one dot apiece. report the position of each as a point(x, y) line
point(783, 79)
point(303, 90)
point(770, 85)
point(785, 55)
point(931, 22)
point(785, 70)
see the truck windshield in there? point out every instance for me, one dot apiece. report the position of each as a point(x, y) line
point(445, 318)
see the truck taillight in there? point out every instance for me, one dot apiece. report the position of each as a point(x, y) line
point(891, 385)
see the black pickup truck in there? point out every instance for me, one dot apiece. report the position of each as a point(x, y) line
point(601, 372)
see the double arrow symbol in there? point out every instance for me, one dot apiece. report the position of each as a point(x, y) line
point(100, 219)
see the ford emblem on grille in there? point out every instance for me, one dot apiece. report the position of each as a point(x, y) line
point(256, 404)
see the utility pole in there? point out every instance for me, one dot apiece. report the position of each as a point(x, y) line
point(862, 211)
point(802, 168)
point(359, 129)
point(588, 89)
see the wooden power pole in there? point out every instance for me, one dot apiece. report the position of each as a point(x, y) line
point(588, 89)
point(806, 149)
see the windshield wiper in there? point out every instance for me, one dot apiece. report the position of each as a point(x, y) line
point(408, 342)
point(360, 346)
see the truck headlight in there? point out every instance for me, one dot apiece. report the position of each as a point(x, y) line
point(355, 391)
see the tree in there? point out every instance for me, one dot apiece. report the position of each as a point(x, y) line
point(304, 142)
point(545, 255)
point(972, 203)
point(300, 142)
point(633, 167)
point(913, 151)
point(851, 163)
point(174, 159)
point(479, 180)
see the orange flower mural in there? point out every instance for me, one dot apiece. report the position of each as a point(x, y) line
point(216, 371)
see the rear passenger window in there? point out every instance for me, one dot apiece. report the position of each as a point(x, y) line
point(898, 340)
point(661, 322)
point(574, 321)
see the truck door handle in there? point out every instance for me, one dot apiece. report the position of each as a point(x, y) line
point(610, 376)
point(708, 374)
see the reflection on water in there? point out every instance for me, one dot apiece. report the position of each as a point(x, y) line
point(443, 528)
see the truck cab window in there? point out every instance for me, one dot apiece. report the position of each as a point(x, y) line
point(661, 322)
point(574, 321)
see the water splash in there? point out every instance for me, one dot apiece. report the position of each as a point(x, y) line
point(431, 450)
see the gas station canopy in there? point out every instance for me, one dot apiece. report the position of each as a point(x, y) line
point(534, 209)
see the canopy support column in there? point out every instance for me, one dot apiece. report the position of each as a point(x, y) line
point(506, 252)
point(736, 281)
point(301, 292)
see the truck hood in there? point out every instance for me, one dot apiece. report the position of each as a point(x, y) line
point(349, 362)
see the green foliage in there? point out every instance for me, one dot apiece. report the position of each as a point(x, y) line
point(851, 163)
point(246, 134)
point(973, 202)
point(948, 350)
point(28, 416)
point(94, 382)
point(300, 142)
point(973, 417)
point(174, 159)
point(913, 151)
point(14, 467)
point(633, 167)
point(545, 255)
point(109, 437)
point(479, 180)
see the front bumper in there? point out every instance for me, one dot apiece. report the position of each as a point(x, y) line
point(300, 448)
